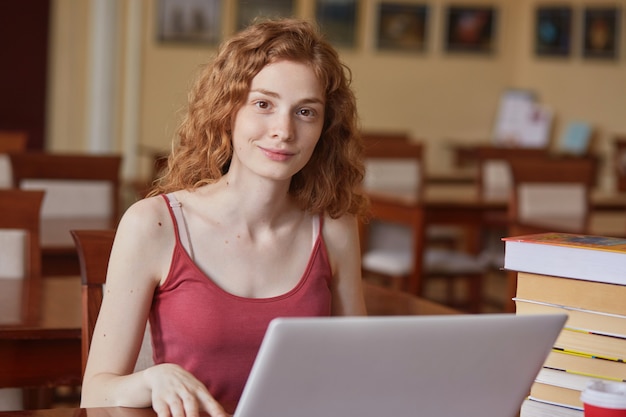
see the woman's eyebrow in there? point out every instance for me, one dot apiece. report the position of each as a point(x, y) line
point(306, 100)
point(265, 92)
point(270, 93)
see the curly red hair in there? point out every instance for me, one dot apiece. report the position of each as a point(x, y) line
point(329, 182)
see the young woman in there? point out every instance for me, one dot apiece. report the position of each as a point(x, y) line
point(255, 218)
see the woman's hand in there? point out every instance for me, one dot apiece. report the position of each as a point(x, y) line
point(177, 393)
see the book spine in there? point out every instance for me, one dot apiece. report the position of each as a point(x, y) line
point(534, 407)
point(593, 344)
point(585, 295)
point(586, 365)
point(590, 320)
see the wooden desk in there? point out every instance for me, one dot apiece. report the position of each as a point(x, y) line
point(59, 256)
point(83, 412)
point(40, 342)
point(382, 301)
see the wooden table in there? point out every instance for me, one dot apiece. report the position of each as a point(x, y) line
point(59, 256)
point(40, 334)
point(381, 301)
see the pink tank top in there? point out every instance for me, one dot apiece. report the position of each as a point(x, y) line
point(215, 335)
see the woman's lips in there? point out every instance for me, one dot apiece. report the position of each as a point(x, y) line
point(277, 154)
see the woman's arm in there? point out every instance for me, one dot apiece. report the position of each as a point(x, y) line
point(342, 241)
point(139, 261)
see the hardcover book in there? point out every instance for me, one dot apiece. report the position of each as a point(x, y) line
point(574, 293)
point(577, 256)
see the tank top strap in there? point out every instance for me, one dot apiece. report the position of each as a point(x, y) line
point(317, 222)
point(180, 225)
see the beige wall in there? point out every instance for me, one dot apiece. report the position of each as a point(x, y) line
point(434, 96)
point(577, 88)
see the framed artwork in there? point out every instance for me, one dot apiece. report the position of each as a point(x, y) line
point(338, 21)
point(601, 32)
point(553, 31)
point(248, 10)
point(402, 27)
point(470, 29)
point(185, 21)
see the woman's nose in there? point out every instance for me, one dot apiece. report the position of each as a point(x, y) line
point(282, 126)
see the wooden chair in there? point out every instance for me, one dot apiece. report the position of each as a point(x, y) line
point(82, 191)
point(94, 249)
point(550, 194)
point(447, 235)
point(394, 166)
point(20, 257)
point(394, 243)
point(20, 263)
point(495, 182)
point(81, 172)
point(10, 142)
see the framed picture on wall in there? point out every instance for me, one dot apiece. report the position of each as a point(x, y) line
point(601, 32)
point(402, 27)
point(553, 31)
point(338, 21)
point(470, 29)
point(248, 10)
point(189, 21)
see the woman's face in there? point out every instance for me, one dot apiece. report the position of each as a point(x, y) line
point(276, 129)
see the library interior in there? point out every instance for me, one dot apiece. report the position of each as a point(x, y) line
point(494, 150)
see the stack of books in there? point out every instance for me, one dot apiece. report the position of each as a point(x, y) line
point(585, 277)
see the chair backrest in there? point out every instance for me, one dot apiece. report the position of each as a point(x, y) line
point(94, 248)
point(19, 237)
point(553, 192)
point(619, 155)
point(495, 181)
point(393, 163)
point(11, 141)
point(77, 185)
point(20, 251)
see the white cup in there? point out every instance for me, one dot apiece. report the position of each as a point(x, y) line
point(604, 399)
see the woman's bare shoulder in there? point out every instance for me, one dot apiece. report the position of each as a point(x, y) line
point(340, 232)
point(146, 218)
point(340, 225)
point(144, 240)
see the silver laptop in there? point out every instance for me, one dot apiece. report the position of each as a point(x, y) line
point(432, 366)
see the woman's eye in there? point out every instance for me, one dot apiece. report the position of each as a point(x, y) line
point(262, 104)
point(306, 112)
